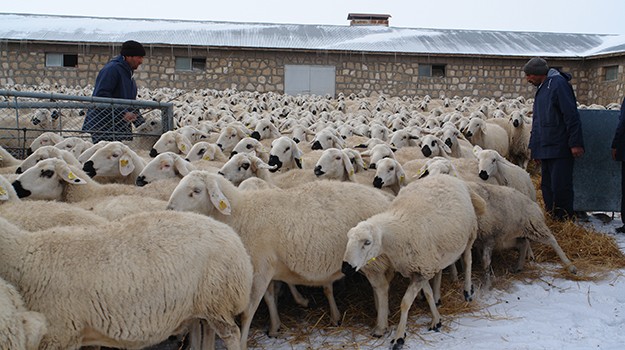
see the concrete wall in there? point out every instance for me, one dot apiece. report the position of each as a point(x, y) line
point(263, 71)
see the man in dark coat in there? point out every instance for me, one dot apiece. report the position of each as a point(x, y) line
point(115, 81)
point(556, 138)
point(618, 154)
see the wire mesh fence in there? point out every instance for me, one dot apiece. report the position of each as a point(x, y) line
point(26, 115)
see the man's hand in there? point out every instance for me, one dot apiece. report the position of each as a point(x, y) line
point(577, 151)
point(130, 117)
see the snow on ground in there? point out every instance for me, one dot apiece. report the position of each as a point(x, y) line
point(550, 313)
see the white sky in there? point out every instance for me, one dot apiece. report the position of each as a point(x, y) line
point(568, 16)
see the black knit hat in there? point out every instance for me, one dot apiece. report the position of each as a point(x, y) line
point(536, 66)
point(132, 48)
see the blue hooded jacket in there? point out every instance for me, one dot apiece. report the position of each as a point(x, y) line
point(115, 81)
point(556, 125)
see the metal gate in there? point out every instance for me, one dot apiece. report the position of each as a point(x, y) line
point(26, 115)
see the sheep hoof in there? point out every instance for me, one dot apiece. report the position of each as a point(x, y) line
point(273, 334)
point(573, 269)
point(436, 327)
point(439, 303)
point(468, 296)
point(398, 344)
point(378, 332)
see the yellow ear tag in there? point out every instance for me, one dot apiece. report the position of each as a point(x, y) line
point(206, 157)
point(71, 175)
point(3, 192)
point(401, 178)
point(222, 205)
point(351, 172)
point(421, 171)
point(370, 260)
point(124, 162)
point(183, 148)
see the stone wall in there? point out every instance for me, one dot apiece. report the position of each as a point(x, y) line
point(254, 70)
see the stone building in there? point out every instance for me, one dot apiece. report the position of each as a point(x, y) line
point(286, 58)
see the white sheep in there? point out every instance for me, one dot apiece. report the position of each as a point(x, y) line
point(45, 152)
point(253, 146)
point(75, 145)
point(171, 141)
point(491, 163)
point(488, 136)
point(86, 154)
point(327, 138)
point(54, 179)
point(265, 129)
point(47, 138)
point(139, 302)
point(433, 146)
point(206, 151)
point(40, 215)
point(285, 154)
point(377, 152)
point(20, 329)
point(117, 162)
point(230, 136)
point(275, 227)
point(7, 160)
point(166, 165)
point(520, 130)
point(509, 219)
point(419, 238)
point(243, 166)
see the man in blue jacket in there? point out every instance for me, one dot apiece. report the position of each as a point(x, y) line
point(618, 154)
point(556, 138)
point(115, 81)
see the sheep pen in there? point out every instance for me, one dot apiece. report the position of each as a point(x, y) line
point(595, 255)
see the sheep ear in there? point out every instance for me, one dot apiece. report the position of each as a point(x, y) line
point(476, 150)
point(126, 165)
point(183, 143)
point(218, 199)
point(401, 175)
point(349, 168)
point(297, 153)
point(483, 127)
point(66, 174)
point(444, 146)
point(4, 194)
point(182, 166)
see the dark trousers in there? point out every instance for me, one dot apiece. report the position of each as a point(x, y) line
point(622, 192)
point(557, 186)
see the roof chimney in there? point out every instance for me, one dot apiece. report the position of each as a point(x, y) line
point(368, 19)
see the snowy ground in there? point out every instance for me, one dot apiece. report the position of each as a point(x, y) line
point(551, 313)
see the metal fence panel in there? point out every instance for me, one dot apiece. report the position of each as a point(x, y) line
point(26, 115)
point(596, 177)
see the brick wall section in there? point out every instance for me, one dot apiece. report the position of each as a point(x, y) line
point(263, 71)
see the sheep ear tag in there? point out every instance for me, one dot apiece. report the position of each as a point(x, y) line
point(4, 195)
point(72, 178)
point(221, 203)
point(126, 166)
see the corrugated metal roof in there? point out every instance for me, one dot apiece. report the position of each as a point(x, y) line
point(307, 37)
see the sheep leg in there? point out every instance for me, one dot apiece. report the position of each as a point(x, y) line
point(260, 285)
point(272, 307)
point(551, 240)
point(380, 284)
point(429, 296)
point(523, 245)
point(335, 315)
point(467, 259)
point(208, 336)
point(436, 284)
point(228, 331)
point(487, 252)
point(299, 298)
point(416, 284)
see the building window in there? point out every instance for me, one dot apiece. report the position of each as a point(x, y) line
point(61, 60)
point(432, 70)
point(190, 64)
point(610, 73)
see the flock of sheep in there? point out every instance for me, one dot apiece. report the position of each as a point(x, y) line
point(113, 244)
